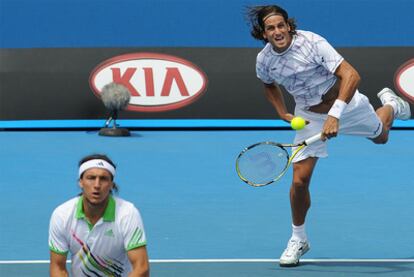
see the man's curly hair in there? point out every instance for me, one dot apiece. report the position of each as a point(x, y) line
point(255, 15)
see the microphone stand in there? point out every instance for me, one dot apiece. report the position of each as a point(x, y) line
point(114, 131)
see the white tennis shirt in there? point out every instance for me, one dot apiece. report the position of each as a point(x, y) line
point(306, 69)
point(99, 250)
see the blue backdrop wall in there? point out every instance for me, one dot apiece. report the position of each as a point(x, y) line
point(195, 23)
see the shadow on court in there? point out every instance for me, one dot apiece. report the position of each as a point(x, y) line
point(24, 270)
point(246, 269)
point(96, 132)
point(273, 269)
point(354, 269)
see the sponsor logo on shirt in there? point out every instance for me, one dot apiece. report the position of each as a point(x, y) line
point(109, 233)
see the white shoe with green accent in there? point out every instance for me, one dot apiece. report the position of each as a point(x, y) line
point(294, 250)
point(403, 111)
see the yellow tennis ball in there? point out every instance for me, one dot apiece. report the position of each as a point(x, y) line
point(298, 123)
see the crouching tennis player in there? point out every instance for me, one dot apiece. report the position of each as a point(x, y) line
point(104, 234)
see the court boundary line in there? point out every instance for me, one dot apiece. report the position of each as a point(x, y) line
point(155, 261)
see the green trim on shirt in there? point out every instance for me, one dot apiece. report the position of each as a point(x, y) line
point(79, 209)
point(130, 247)
point(109, 213)
point(57, 251)
point(135, 242)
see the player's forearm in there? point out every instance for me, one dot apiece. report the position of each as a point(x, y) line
point(348, 88)
point(140, 272)
point(58, 272)
point(350, 80)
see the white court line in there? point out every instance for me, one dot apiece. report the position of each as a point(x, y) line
point(237, 261)
point(277, 260)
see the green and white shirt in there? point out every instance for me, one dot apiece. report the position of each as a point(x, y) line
point(99, 250)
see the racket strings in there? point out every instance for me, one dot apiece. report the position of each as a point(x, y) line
point(262, 164)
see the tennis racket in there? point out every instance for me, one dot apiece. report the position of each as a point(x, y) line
point(266, 162)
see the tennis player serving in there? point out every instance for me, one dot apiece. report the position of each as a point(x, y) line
point(104, 234)
point(325, 89)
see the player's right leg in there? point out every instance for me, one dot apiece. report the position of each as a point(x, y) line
point(300, 203)
point(299, 190)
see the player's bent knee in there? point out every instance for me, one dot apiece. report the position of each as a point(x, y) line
point(381, 139)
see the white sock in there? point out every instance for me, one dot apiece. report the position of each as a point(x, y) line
point(394, 106)
point(298, 232)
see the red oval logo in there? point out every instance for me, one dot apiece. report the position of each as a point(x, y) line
point(404, 80)
point(157, 82)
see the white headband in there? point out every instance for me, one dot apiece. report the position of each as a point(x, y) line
point(96, 163)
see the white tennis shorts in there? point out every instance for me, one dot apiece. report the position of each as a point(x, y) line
point(359, 119)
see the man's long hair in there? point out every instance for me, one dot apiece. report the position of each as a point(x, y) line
point(255, 15)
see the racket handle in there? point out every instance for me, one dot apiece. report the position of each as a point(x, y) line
point(313, 139)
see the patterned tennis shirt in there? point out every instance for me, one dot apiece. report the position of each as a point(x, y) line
point(101, 249)
point(306, 69)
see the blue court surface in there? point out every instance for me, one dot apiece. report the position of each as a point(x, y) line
point(200, 219)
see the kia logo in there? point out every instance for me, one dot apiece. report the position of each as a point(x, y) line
point(404, 80)
point(157, 82)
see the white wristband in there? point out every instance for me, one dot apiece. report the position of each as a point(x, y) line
point(337, 108)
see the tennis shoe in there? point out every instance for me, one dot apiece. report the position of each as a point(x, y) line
point(294, 250)
point(403, 111)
